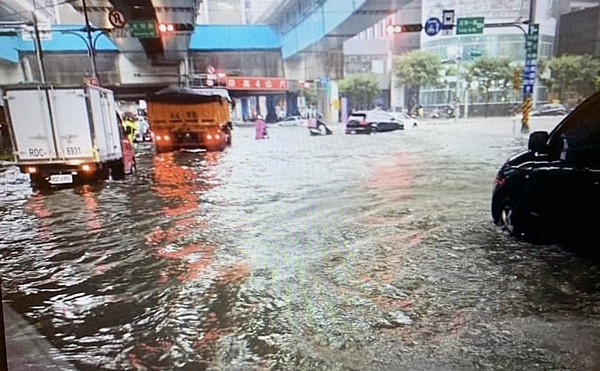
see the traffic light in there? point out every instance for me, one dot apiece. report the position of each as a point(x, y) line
point(175, 27)
point(411, 27)
point(400, 28)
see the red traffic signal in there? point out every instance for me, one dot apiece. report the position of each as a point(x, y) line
point(175, 27)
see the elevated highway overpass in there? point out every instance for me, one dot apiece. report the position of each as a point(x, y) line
point(305, 26)
point(311, 32)
point(321, 25)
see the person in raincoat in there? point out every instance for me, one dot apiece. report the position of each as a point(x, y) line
point(260, 127)
point(130, 128)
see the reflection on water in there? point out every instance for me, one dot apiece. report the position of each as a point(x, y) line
point(123, 275)
point(297, 252)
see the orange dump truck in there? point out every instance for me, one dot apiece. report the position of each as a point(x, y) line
point(190, 118)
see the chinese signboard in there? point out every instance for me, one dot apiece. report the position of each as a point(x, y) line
point(531, 55)
point(469, 26)
point(256, 83)
point(532, 42)
point(143, 29)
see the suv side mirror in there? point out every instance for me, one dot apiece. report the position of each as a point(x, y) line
point(538, 141)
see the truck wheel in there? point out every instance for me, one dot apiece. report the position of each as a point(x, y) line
point(39, 181)
point(102, 173)
point(117, 170)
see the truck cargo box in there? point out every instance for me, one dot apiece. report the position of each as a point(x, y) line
point(63, 124)
point(190, 118)
point(60, 134)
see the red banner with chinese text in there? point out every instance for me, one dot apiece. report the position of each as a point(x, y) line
point(256, 83)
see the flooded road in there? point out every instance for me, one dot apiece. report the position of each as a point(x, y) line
point(298, 252)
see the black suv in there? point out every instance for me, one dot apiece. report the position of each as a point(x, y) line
point(553, 189)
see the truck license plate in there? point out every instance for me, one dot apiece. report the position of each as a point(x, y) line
point(61, 179)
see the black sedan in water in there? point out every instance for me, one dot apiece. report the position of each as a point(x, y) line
point(553, 189)
point(367, 122)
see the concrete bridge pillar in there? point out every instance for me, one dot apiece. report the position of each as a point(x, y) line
point(321, 69)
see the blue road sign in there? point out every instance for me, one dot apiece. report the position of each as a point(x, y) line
point(433, 26)
point(530, 68)
point(527, 88)
point(528, 81)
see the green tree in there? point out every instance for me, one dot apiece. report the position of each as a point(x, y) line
point(417, 69)
point(573, 74)
point(492, 74)
point(310, 95)
point(360, 89)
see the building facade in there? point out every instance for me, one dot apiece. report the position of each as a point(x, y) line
point(581, 25)
point(498, 42)
point(374, 49)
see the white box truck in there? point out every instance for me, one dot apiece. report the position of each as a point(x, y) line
point(63, 135)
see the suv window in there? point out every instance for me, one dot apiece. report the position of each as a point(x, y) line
point(579, 140)
point(357, 117)
point(584, 124)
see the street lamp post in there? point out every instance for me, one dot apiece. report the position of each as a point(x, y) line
point(90, 46)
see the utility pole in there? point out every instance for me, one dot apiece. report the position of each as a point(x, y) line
point(88, 28)
point(528, 93)
point(457, 92)
point(38, 45)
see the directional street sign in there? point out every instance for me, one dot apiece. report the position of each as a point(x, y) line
point(532, 41)
point(529, 76)
point(143, 29)
point(433, 26)
point(534, 29)
point(530, 68)
point(527, 88)
point(531, 56)
point(469, 26)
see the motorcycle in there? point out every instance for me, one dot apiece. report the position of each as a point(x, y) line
point(146, 137)
point(318, 127)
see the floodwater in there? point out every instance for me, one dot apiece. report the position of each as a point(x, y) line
point(298, 252)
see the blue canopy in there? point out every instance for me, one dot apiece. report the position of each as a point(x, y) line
point(64, 39)
point(234, 38)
